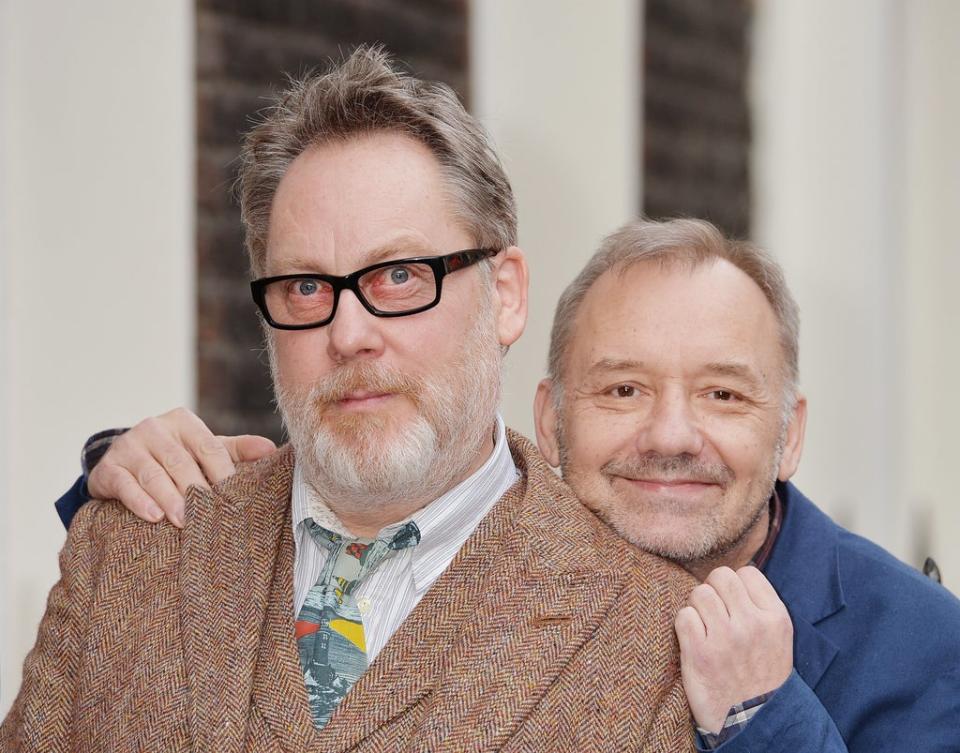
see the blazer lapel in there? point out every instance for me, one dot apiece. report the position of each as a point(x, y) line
point(805, 569)
point(279, 693)
point(494, 630)
point(813, 652)
point(230, 544)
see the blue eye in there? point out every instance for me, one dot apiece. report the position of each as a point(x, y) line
point(399, 275)
point(307, 287)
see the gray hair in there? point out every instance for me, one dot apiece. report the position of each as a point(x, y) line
point(678, 242)
point(367, 93)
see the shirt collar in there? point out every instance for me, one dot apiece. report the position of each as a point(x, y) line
point(445, 524)
point(762, 556)
point(305, 504)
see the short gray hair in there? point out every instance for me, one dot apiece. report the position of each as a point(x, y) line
point(367, 93)
point(678, 242)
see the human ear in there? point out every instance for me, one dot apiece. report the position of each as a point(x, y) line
point(511, 280)
point(793, 445)
point(545, 422)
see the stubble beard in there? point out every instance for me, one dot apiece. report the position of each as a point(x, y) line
point(364, 461)
point(708, 538)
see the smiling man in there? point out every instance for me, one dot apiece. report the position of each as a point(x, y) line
point(673, 411)
point(406, 574)
point(672, 405)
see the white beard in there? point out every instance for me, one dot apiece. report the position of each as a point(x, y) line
point(365, 461)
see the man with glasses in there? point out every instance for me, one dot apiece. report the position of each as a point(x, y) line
point(407, 574)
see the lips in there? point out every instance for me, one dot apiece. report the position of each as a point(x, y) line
point(361, 399)
point(362, 395)
point(670, 483)
point(676, 491)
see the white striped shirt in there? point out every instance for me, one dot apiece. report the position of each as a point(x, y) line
point(391, 592)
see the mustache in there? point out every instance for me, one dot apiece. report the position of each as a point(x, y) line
point(369, 377)
point(683, 467)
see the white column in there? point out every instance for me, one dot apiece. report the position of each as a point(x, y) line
point(557, 83)
point(931, 358)
point(96, 271)
point(827, 175)
point(857, 178)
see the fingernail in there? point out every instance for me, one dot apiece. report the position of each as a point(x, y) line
point(154, 513)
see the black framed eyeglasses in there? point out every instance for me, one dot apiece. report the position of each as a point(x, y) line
point(398, 287)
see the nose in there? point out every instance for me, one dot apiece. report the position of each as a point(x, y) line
point(354, 331)
point(671, 427)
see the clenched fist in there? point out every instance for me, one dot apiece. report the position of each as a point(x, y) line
point(736, 642)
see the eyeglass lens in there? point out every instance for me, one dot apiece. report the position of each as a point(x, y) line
point(394, 289)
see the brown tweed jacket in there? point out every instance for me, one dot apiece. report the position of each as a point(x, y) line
point(547, 633)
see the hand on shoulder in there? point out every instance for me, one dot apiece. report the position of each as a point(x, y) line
point(150, 467)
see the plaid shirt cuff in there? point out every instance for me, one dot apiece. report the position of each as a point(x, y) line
point(737, 719)
point(78, 495)
point(95, 448)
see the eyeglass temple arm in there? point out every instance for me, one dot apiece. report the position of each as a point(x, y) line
point(466, 258)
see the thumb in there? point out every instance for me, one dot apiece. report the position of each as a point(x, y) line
point(246, 447)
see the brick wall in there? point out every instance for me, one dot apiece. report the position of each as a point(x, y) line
point(695, 110)
point(244, 49)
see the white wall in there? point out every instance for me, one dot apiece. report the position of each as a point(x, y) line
point(856, 177)
point(96, 259)
point(931, 243)
point(556, 82)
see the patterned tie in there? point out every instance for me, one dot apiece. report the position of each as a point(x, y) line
point(329, 630)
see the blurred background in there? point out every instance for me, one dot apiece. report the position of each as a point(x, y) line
point(826, 130)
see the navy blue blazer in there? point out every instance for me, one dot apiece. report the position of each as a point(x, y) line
point(876, 647)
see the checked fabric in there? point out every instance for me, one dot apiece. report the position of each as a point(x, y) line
point(329, 629)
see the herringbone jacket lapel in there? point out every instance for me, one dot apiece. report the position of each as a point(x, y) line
point(233, 545)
